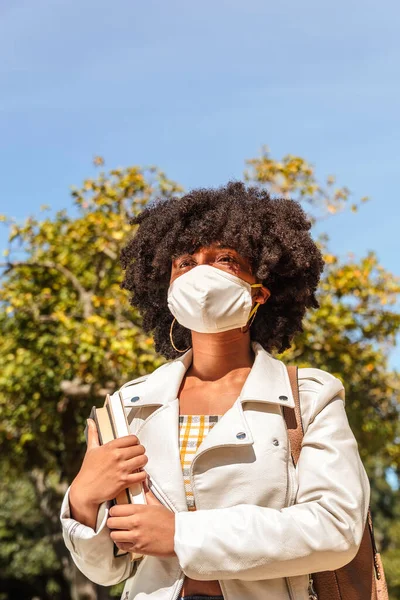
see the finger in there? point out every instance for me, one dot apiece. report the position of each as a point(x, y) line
point(137, 477)
point(120, 535)
point(145, 486)
point(151, 499)
point(125, 546)
point(125, 441)
point(93, 437)
point(119, 522)
point(137, 462)
point(131, 451)
point(125, 510)
point(134, 478)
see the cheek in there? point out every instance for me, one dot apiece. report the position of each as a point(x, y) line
point(248, 277)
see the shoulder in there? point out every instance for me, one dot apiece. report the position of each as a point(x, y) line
point(317, 389)
point(319, 381)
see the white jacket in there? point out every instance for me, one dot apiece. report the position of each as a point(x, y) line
point(261, 526)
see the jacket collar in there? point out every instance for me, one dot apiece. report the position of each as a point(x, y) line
point(268, 381)
point(158, 431)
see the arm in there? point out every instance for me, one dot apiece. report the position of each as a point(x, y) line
point(322, 531)
point(93, 550)
point(85, 514)
point(105, 470)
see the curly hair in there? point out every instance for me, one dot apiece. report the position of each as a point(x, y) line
point(272, 233)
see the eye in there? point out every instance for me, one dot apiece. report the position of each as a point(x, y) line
point(186, 262)
point(227, 258)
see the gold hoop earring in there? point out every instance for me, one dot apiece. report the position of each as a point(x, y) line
point(172, 339)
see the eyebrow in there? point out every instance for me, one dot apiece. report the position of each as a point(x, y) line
point(240, 256)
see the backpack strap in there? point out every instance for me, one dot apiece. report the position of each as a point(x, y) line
point(292, 416)
point(294, 426)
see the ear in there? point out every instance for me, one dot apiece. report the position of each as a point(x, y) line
point(261, 294)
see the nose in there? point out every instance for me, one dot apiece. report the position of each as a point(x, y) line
point(205, 256)
point(203, 259)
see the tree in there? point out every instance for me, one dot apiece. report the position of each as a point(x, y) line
point(355, 327)
point(69, 336)
point(351, 335)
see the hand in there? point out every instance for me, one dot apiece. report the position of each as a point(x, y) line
point(108, 469)
point(145, 529)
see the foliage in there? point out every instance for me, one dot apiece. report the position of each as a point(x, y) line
point(352, 332)
point(68, 333)
point(294, 177)
point(27, 556)
point(350, 336)
point(69, 336)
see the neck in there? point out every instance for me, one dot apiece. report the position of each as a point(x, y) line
point(217, 354)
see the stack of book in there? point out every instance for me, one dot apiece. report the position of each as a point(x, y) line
point(111, 423)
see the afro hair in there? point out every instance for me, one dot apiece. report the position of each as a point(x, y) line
point(272, 233)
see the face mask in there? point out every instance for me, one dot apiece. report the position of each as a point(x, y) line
point(208, 300)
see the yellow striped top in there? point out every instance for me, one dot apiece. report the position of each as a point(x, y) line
point(192, 431)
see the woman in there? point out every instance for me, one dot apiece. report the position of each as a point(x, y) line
point(222, 278)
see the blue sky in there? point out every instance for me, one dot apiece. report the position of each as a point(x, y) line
point(197, 88)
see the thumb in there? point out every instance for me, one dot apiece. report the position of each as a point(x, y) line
point(93, 436)
point(150, 497)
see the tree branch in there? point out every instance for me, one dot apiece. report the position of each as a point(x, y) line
point(110, 253)
point(83, 294)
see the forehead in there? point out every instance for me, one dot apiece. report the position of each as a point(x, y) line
point(209, 249)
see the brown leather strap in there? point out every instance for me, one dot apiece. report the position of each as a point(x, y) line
point(377, 559)
point(296, 434)
point(293, 416)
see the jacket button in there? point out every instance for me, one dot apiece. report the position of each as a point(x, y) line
point(241, 435)
point(275, 442)
point(135, 398)
point(283, 398)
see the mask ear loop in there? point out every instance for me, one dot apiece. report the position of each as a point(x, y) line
point(253, 312)
point(252, 316)
point(172, 339)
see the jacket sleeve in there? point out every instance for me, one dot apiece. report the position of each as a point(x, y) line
point(93, 551)
point(322, 531)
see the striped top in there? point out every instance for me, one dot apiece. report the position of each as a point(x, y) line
point(192, 431)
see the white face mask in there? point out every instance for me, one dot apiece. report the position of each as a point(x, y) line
point(208, 300)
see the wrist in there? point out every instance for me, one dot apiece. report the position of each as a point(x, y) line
point(83, 511)
point(80, 497)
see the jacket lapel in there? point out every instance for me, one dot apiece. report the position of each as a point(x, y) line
point(159, 432)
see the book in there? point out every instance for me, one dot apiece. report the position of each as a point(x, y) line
point(111, 423)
